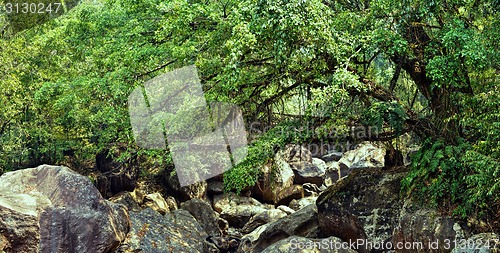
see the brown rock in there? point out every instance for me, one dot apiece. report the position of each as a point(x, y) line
point(54, 209)
point(156, 202)
point(277, 176)
point(287, 195)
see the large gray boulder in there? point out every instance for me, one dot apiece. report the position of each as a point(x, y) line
point(54, 209)
point(238, 210)
point(365, 205)
point(307, 172)
point(206, 216)
point(366, 155)
point(302, 223)
point(436, 233)
point(275, 181)
point(176, 231)
point(332, 156)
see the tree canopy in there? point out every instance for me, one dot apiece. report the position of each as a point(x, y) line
point(424, 68)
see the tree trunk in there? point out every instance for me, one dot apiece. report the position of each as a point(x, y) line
point(439, 97)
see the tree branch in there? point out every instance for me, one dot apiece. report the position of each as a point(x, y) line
point(155, 69)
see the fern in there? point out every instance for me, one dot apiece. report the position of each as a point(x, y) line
point(436, 175)
point(453, 176)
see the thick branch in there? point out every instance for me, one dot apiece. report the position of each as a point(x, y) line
point(421, 126)
point(155, 69)
point(269, 100)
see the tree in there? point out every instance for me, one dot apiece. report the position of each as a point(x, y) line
point(429, 68)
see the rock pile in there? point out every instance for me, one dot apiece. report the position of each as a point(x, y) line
point(300, 204)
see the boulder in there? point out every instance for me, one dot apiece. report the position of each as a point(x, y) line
point(298, 204)
point(307, 172)
point(54, 209)
point(126, 199)
point(319, 163)
point(215, 187)
point(262, 218)
point(302, 223)
point(332, 156)
point(297, 244)
point(206, 216)
point(153, 200)
point(365, 155)
point(177, 231)
point(365, 205)
point(437, 233)
point(276, 179)
point(248, 240)
point(156, 202)
point(289, 194)
point(184, 193)
point(237, 210)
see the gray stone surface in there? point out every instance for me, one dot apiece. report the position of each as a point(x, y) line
point(302, 223)
point(237, 210)
point(177, 231)
point(206, 216)
point(54, 209)
point(366, 155)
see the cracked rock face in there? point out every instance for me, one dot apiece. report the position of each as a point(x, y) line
point(366, 155)
point(365, 206)
point(176, 231)
point(302, 223)
point(54, 209)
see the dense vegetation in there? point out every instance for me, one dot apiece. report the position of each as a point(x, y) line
point(427, 69)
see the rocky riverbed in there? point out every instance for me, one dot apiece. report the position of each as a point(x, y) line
point(339, 202)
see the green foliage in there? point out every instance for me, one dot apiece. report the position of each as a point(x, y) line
point(16, 16)
point(245, 174)
point(64, 84)
point(391, 113)
point(437, 174)
point(483, 186)
point(454, 177)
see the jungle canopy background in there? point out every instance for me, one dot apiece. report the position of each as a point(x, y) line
point(428, 70)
